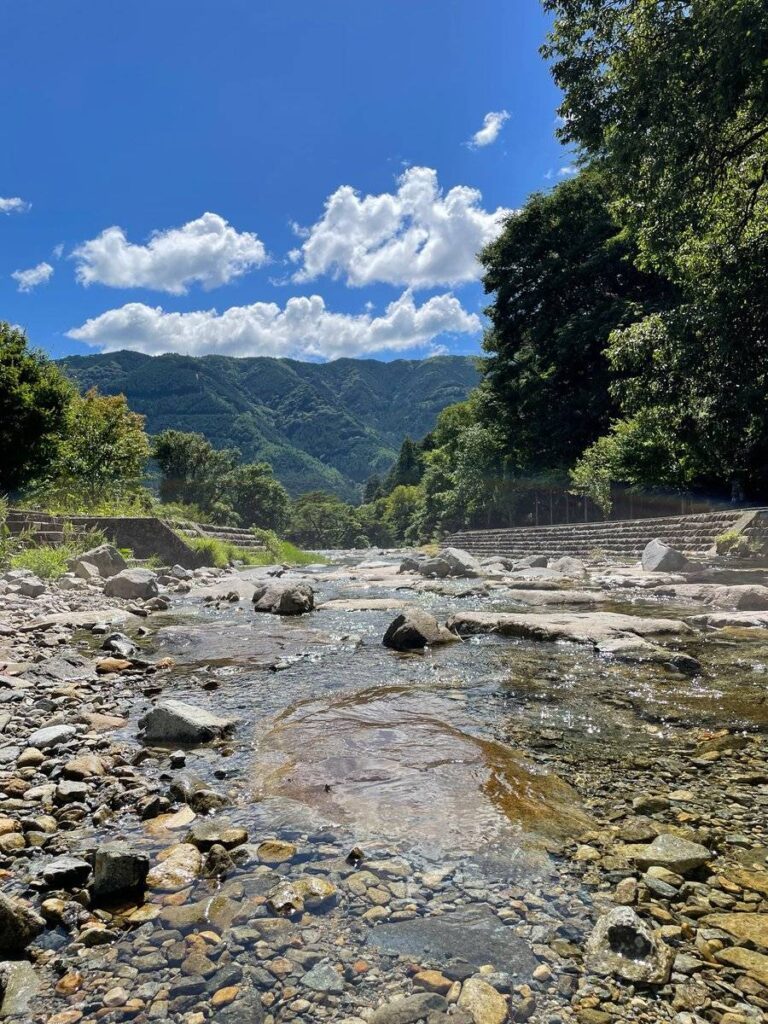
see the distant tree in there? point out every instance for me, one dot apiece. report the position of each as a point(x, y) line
point(400, 510)
point(322, 520)
point(105, 448)
point(34, 398)
point(373, 489)
point(408, 468)
point(257, 498)
point(193, 472)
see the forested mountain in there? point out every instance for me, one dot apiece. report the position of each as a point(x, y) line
point(321, 425)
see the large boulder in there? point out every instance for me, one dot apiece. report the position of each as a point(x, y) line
point(105, 558)
point(132, 585)
point(19, 926)
point(415, 629)
point(660, 557)
point(622, 944)
point(284, 598)
point(451, 562)
point(461, 563)
point(673, 853)
point(174, 721)
point(118, 869)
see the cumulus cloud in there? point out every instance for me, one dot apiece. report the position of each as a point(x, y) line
point(303, 329)
point(29, 279)
point(417, 236)
point(566, 172)
point(208, 251)
point(13, 204)
point(493, 122)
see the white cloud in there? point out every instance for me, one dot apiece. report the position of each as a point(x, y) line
point(29, 279)
point(566, 172)
point(58, 251)
point(13, 204)
point(493, 122)
point(417, 236)
point(208, 251)
point(303, 329)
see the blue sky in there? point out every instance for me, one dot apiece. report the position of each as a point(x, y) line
point(294, 178)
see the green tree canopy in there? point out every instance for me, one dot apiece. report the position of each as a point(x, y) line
point(563, 279)
point(34, 399)
point(193, 472)
point(257, 498)
point(105, 447)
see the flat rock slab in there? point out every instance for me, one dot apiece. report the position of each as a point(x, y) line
point(83, 620)
point(545, 598)
point(221, 590)
point(473, 935)
point(364, 604)
point(616, 636)
point(723, 620)
point(741, 597)
point(578, 627)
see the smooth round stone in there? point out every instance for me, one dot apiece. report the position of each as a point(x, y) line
point(275, 851)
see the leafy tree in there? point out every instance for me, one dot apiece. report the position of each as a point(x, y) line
point(192, 470)
point(257, 498)
point(34, 399)
point(670, 99)
point(321, 520)
point(373, 489)
point(401, 507)
point(563, 279)
point(105, 447)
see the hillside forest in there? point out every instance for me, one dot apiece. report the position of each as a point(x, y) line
point(627, 337)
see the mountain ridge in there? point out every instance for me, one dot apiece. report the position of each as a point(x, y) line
point(323, 426)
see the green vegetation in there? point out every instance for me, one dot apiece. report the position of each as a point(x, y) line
point(44, 560)
point(220, 553)
point(321, 426)
point(34, 398)
point(193, 471)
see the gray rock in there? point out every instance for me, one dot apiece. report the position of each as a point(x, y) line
point(531, 562)
point(119, 643)
point(410, 1009)
point(622, 944)
point(105, 558)
point(19, 925)
point(435, 567)
point(174, 721)
point(66, 872)
point(30, 586)
point(568, 566)
point(85, 570)
point(660, 557)
point(409, 565)
point(19, 983)
point(673, 853)
point(51, 736)
point(324, 978)
point(118, 868)
point(284, 598)
point(415, 629)
point(132, 585)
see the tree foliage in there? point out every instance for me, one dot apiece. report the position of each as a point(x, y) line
point(34, 399)
point(105, 447)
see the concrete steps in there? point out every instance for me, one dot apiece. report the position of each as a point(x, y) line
point(229, 534)
point(694, 535)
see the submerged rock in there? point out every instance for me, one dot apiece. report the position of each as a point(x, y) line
point(410, 1009)
point(621, 943)
point(415, 629)
point(173, 720)
point(284, 598)
point(486, 1005)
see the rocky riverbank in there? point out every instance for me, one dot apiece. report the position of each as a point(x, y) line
point(249, 810)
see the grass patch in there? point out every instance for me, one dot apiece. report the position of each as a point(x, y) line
point(220, 553)
point(46, 562)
